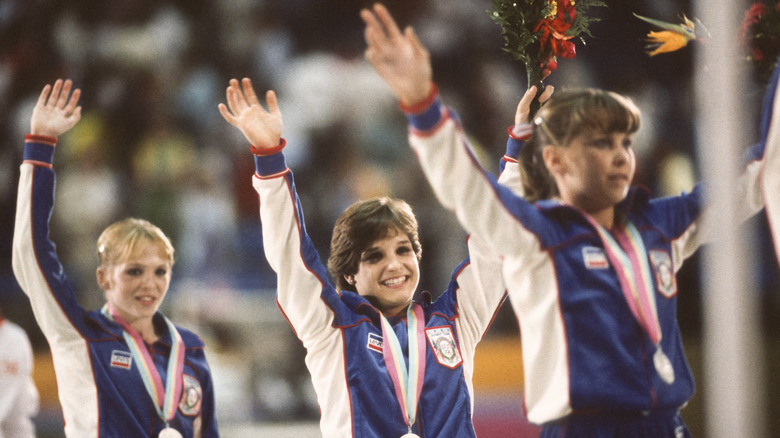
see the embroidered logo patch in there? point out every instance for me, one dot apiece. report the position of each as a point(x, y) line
point(443, 343)
point(191, 396)
point(374, 342)
point(594, 258)
point(121, 359)
point(664, 272)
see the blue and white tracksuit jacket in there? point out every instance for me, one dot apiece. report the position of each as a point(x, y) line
point(342, 334)
point(583, 350)
point(100, 390)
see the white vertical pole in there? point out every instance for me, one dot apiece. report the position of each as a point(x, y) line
point(732, 381)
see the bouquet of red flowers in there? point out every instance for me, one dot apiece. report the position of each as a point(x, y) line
point(537, 32)
point(759, 36)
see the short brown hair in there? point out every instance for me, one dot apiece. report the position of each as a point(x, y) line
point(118, 240)
point(360, 225)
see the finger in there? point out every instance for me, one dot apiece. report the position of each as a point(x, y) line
point(235, 98)
point(374, 33)
point(528, 97)
point(548, 91)
point(226, 114)
point(76, 115)
point(63, 98)
point(55, 92)
point(414, 39)
point(387, 20)
point(44, 95)
point(272, 102)
point(249, 92)
point(234, 101)
point(74, 100)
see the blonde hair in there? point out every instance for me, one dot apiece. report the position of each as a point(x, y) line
point(117, 242)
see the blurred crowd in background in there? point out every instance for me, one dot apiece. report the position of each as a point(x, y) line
point(152, 144)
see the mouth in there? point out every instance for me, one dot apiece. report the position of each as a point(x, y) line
point(146, 300)
point(395, 281)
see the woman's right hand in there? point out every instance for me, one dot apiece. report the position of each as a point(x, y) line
point(54, 113)
point(524, 107)
point(262, 128)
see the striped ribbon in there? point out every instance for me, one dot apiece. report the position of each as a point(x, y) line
point(408, 382)
point(165, 398)
point(628, 256)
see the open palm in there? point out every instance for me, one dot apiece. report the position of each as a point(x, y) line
point(261, 127)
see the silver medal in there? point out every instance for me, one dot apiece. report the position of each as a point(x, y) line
point(169, 432)
point(664, 366)
point(410, 435)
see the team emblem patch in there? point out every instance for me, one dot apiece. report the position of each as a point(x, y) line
point(444, 347)
point(191, 396)
point(374, 342)
point(121, 359)
point(664, 272)
point(594, 258)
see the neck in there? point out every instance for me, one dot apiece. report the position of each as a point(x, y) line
point(145, 328)
point(605, 217)
point(398, 312)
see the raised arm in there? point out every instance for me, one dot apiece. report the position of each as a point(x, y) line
point(35, 263)
point(302, 283)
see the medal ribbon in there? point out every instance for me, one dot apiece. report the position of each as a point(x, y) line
point(164, 398)
point(629, 258)
point(407, 382)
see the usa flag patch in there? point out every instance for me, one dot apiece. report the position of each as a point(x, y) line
point(121, 359)
point(374, 342)
point(594, 258)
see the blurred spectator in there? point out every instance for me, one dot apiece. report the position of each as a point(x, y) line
point(19, 397)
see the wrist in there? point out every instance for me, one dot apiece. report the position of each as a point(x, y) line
point(262, 152)
point(420, 105)
point(41, 138)
point(520, 131)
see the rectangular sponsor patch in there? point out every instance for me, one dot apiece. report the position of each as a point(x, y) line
point(594, 258)
point(121, 359)
point(374, 342)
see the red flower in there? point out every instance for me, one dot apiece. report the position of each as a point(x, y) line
point(553, 39)
point(745, 35)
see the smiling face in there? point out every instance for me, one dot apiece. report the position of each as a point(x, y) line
point(136, 285)
point(388, 273)
point(594, 172)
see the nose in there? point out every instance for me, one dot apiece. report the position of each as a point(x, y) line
point(622, 154)
point(393, 262)
point(147, 281)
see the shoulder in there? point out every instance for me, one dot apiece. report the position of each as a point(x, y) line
point(190, 338)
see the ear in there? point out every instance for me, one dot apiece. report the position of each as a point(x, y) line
point(553, 160)
point(350, 279)
point(102, 279)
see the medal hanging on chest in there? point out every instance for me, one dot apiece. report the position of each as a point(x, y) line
point(627, 254)
point(169, 432)
point(165, 398)
point(407, 381)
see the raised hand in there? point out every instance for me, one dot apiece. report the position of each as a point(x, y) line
point(399, 57)
point(54, 113)
point(524, 106)
point(262, 128)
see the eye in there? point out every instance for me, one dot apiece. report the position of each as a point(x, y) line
point(161, 272)
point(134, 272)
point(404, 250)
point(371, 257)
point(627, 143)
